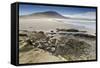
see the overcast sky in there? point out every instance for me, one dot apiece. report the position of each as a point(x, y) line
point(25, 9)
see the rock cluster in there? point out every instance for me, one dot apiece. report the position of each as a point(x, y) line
point(54, 45)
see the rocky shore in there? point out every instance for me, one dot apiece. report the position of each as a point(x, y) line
point(35, 45)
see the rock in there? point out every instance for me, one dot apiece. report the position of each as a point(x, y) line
point(67, 30)
point(53, 49)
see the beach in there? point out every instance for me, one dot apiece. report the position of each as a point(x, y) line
point(37, 31)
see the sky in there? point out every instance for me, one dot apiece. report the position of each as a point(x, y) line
point(25, 9)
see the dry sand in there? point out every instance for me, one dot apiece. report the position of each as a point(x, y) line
point(37, 56)
point(48, 24)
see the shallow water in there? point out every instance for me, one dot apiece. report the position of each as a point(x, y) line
point(85, 23)
point(91, 24)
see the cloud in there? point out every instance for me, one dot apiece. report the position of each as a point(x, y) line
point(87, 15)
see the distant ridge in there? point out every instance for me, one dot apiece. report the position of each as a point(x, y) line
point(51, 14)
point(46, 14)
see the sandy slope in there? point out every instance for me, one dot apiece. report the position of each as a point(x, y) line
point(38, 56)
